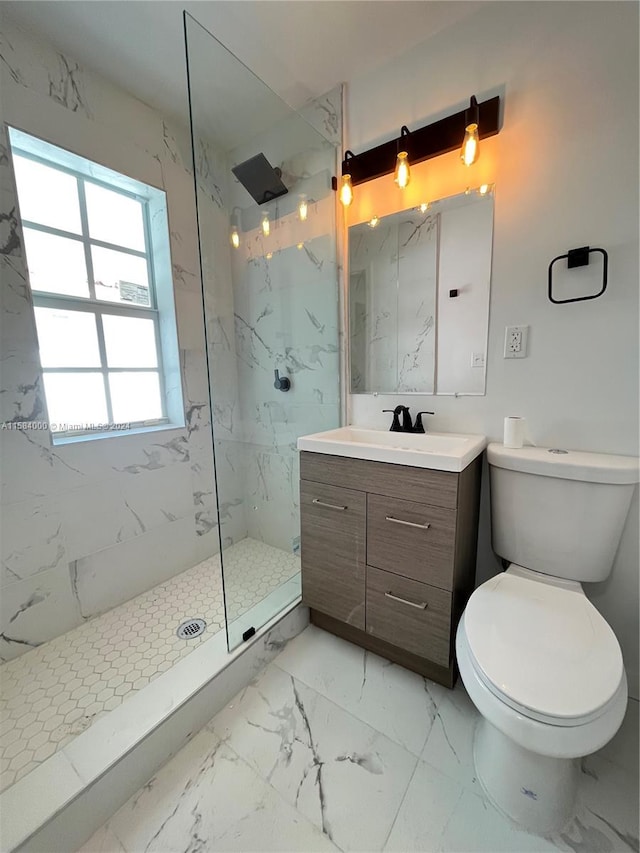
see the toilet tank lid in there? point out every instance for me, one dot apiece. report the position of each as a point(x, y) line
point(567, 465)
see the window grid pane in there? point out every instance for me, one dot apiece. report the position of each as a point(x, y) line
point(81, 393)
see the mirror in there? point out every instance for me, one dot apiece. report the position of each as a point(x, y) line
point(419, 283)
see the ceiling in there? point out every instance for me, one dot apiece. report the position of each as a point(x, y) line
point(301, 48)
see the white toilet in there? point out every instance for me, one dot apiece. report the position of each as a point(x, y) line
point(540, 663)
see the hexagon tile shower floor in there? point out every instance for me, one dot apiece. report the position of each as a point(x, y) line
point(56, 691)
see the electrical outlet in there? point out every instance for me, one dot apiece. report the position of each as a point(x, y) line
point(477, 359)
point(515, 341)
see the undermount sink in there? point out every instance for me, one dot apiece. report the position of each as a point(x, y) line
point(441, 451)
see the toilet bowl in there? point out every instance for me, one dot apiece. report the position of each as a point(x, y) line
point(545, 671)
point(540, 663)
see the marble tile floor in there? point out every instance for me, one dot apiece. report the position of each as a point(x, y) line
point(56, 691)
point(331, 747)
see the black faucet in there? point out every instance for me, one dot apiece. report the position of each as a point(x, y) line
point(419, 426)
point(406, 426)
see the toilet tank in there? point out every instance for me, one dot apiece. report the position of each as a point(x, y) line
point(559, 512)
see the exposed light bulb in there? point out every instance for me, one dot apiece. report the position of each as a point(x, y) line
point(303, 208)
point(266, 225)
point(402, 175)
point(470, 150)
point(373, 221)
point(235, 238)
point(470, 145)
point(424, 207)
point(346, 190)
point(484, 189)
point(269, 255)
point(300, 246)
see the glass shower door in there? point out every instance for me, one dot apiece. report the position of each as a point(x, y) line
point(266, 218)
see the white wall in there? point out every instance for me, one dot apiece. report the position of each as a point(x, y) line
point(88, 525)
point(566, 172)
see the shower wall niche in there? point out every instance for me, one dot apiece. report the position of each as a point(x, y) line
point(271, 304)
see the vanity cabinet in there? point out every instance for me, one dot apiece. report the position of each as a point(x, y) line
point(388, 555)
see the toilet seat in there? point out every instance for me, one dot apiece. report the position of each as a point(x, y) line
point(542, 648)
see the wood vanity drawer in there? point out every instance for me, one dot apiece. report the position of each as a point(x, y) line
point(411, 539)
point(439, 488)
point(333, 531)
point(408, 614)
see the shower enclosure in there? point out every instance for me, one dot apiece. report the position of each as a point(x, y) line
point(266, 219)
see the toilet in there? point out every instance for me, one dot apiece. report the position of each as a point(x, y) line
point(540, 663)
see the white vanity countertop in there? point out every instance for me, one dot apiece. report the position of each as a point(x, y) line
point(440, 451)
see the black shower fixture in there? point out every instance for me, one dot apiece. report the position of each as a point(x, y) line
point(260, 179)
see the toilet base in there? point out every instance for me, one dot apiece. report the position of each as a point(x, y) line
point(534, 790)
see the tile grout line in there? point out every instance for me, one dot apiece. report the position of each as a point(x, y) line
point(404, 796)
point(352, 714)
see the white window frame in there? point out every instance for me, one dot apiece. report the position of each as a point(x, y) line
point(100, 307)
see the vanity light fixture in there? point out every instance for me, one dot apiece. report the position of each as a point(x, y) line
point(440, 137)
point(234, 234)
point(303, 209)
point(470, 150)
point(266, 225)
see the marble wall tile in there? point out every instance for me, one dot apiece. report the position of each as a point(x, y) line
point(37, 609)
point(325, 114)
point(107, 491)
point(272, 485)
point(24, 555)
point(108, 577)
point(122, 508)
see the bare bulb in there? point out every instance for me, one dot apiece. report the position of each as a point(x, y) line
point(303, 209)
point(470, 145)
point(235, 238)
point(266, 225)
point(346, 190)
point(424, 207)
point(373, 221)
point(484, 189)
point(269, 255)
point(402, 175)
point(300, 246)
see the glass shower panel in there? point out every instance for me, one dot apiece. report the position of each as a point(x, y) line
point(270, 290)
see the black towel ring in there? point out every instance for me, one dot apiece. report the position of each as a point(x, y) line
point(579, 258)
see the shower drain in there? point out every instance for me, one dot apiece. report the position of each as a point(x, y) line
point(191, 628)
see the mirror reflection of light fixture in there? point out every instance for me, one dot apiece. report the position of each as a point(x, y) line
point(470, 150)
point(438, 138)
point(266, 225)
point(234, 234)
point(373, 221)
point(269, 255)
point(424, 207)
point(303, 208)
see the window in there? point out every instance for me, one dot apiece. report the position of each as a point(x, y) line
point(96, 268)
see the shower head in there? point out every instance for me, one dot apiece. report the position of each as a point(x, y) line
point(260, 179)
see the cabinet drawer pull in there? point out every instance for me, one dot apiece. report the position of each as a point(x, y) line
point(420, 606)
point(408, 523)
point(329, 506)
